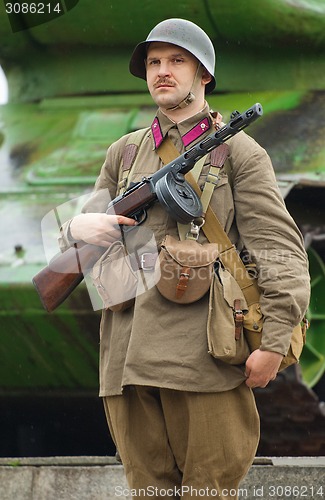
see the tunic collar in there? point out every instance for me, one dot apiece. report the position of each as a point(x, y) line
point(190, 129)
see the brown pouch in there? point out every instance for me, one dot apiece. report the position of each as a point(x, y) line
point(227, 306)
point(253, 328)
point(186, 269)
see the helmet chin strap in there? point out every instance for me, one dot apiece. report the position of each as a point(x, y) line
point(190, 97)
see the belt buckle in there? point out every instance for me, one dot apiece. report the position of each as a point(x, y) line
point(143, 262)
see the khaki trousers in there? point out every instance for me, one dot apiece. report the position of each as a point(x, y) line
point(179, 444)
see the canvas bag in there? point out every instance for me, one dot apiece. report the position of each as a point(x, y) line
point(126, 270)
point(225, 296)
point(114, 278)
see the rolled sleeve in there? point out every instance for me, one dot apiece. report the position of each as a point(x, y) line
point(65, 239)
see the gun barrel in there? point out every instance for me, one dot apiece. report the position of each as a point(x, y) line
point(187, 160)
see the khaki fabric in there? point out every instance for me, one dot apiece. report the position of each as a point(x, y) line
point(163, 344)
point(220, 329)
point(194, 445)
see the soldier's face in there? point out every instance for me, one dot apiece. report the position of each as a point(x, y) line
point(170, 73)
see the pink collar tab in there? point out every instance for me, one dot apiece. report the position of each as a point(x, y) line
point(196, 132)
point(156, 132)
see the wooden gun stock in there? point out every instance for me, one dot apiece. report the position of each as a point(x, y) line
point(57, 281)
point(53, 288)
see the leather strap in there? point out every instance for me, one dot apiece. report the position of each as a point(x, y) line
point(238, 318)
point(182, 282)
point(130, 153)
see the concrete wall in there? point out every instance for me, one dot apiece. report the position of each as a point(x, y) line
point(101, 478)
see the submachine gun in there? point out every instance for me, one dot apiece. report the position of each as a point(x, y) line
point(56, 281)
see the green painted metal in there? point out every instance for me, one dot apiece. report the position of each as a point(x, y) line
point(87, 52)
point(71, 96)
point(57, 352)
point(313, 359)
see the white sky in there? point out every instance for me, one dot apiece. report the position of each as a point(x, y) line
point(3, 88)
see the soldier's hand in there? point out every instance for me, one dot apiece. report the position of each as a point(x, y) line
point(261, 367)
point(98, 228)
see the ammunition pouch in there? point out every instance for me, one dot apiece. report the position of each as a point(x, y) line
point(186, 269)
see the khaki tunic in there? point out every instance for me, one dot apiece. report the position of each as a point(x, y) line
point(163, 344)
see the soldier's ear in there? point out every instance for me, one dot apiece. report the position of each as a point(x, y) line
point(206, 77)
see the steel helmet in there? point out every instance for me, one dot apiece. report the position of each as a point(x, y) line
point(179, 32)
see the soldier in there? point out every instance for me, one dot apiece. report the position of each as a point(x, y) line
point(184, 422)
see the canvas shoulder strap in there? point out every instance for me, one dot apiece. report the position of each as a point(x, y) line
point(218, 157)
